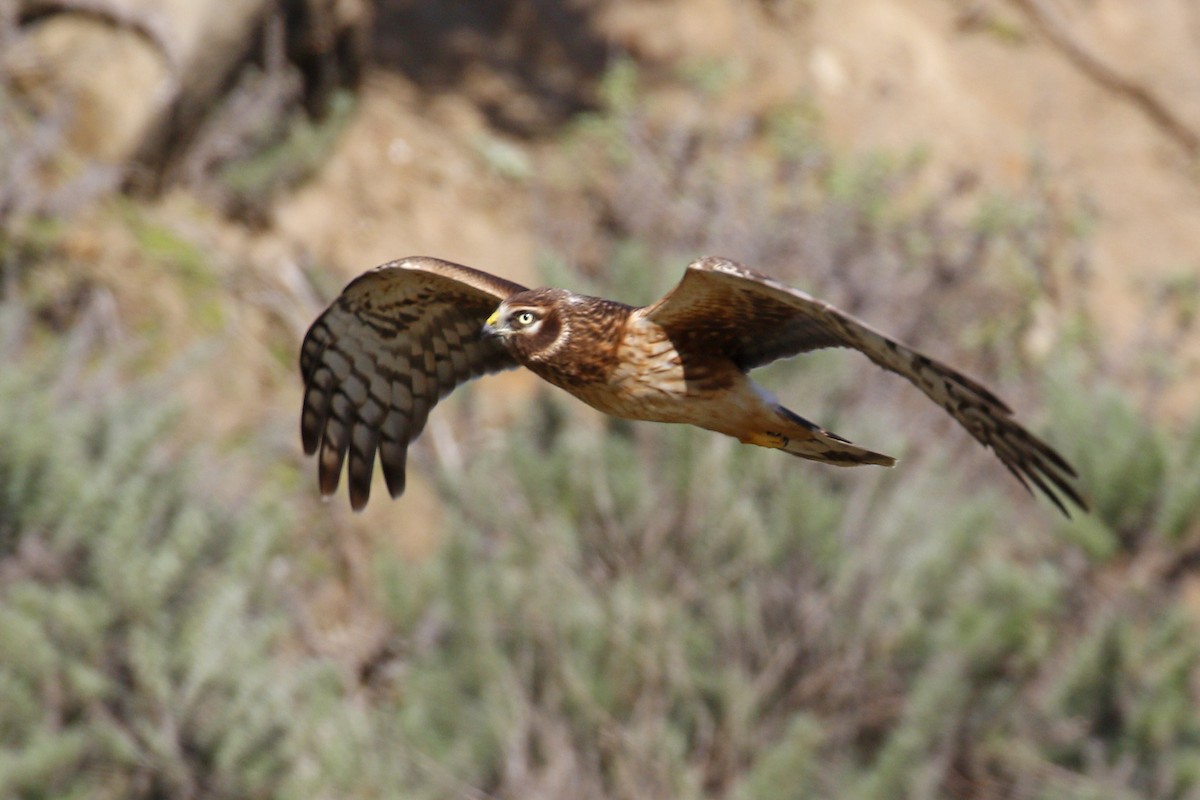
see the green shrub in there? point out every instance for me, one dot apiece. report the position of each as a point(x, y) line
point(140, 629)
point(658, 612)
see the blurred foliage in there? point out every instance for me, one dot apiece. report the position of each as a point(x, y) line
point(623, 612)
point(246, 184)
point(665, 614)
point(139, 618)
point(634, 611)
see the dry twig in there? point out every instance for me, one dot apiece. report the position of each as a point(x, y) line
point(1095, 68)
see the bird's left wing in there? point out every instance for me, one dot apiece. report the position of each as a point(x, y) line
point(721, 307)
point(399, 338)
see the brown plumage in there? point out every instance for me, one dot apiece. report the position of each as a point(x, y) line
point(403, 335)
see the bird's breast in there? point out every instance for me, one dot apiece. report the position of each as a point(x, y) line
point(650, 380)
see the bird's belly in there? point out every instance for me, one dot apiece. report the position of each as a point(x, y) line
point(648, 380)
point(715, 399)
point(638, 401)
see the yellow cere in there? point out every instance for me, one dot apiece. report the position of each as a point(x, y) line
point(492, 319)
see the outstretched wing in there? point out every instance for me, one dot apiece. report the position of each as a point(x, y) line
point(722, 307)
point(398, 339)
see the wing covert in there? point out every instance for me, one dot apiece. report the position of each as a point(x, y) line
point(721, 307)
point(398, 339)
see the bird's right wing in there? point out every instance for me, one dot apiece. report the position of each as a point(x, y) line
point(398, 339)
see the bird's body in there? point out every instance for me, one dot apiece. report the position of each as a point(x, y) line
point(634, 371)
point(403, 335)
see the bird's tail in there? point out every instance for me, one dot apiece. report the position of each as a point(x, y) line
point(802, 438)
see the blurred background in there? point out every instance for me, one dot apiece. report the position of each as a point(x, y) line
point(566, 605)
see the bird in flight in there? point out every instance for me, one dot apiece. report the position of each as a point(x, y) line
point(403, 335)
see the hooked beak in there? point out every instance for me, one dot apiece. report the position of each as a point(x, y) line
point(489, 328)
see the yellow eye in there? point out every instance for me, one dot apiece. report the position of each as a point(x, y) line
point(526, 318)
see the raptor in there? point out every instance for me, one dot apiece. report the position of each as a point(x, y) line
point(405, 334)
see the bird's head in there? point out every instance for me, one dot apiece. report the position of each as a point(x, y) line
point(532, 325)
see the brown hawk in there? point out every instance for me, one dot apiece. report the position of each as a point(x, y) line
point(403, 335)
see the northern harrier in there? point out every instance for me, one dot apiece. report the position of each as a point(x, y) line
point(403, 335)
